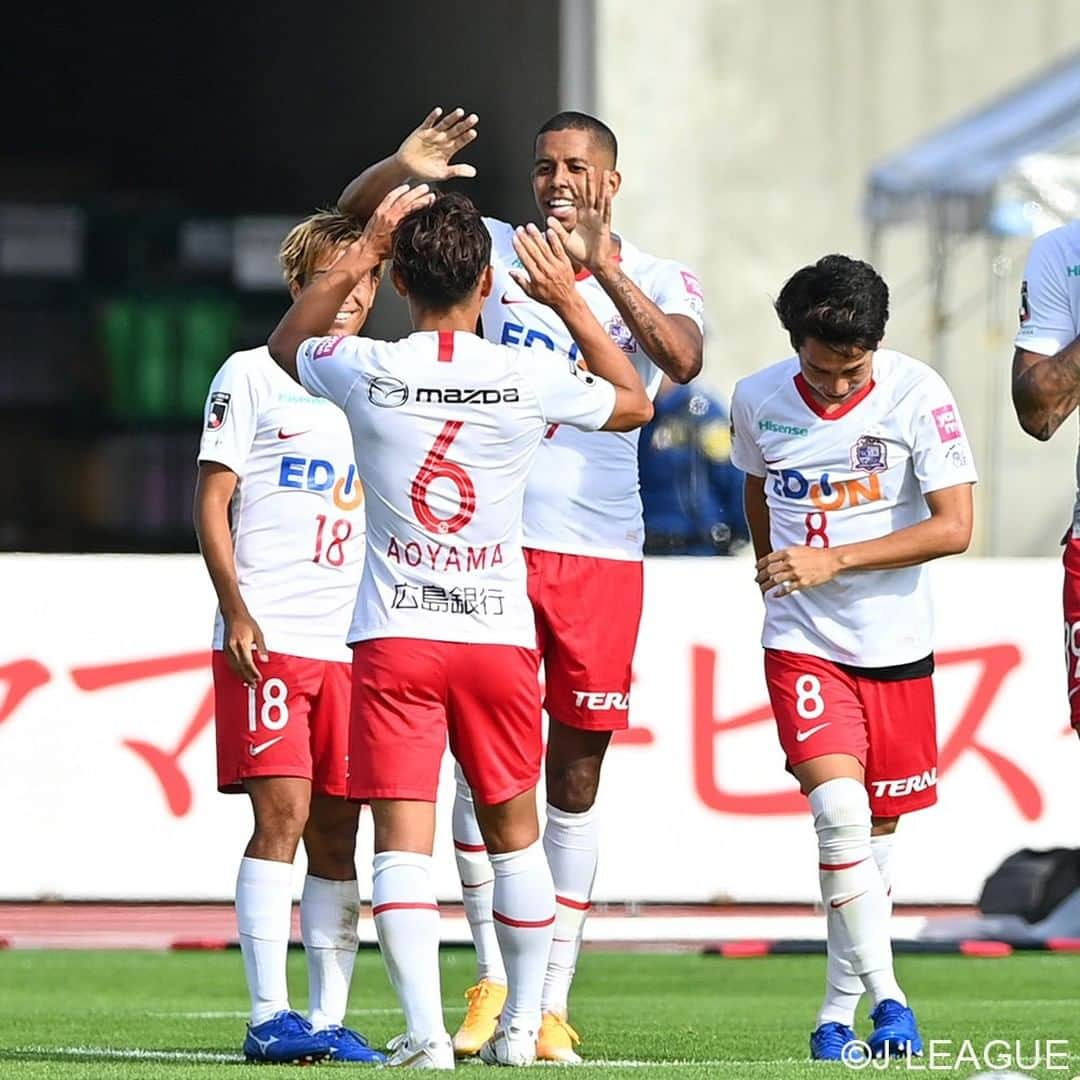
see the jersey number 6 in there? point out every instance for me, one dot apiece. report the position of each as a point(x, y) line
point(437, 467)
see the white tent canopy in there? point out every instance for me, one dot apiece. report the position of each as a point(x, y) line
point(1022, 148)
point(1009, 169)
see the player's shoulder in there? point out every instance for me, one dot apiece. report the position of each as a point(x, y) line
point(255, 366)
point(903, 373)
point(752, 391)
point(1058, 245)
point(501, 232)
point(642, 264)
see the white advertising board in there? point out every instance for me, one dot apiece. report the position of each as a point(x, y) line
point(107, 780)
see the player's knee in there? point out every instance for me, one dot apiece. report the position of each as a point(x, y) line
point(334, 845)
point(572, 786)
point(841, 810)
point(283, 818)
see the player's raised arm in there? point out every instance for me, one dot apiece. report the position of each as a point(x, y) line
point(548, 277)
point(673, 342)
point(424, 154)
point(313, 310)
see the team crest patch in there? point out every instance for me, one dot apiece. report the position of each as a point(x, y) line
point(327, 346)
point(869, 454)
point(620, 333)
point(219, 409)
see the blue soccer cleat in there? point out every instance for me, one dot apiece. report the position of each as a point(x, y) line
point(349, 1045)
point(828, 1042)
point(284, 1039)
point(895, 1031)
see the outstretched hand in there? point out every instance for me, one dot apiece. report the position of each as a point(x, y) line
point(591, 243)
point(378, 235)
point(548, 276)
point(426, 152)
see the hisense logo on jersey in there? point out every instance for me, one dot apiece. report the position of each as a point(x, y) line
point(452, 395)
point(782, 429)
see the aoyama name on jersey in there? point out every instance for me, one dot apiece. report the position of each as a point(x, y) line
point(447, 426)
point(858, 473)
point(1050, 305)
point(297, 514)
point(582, 495)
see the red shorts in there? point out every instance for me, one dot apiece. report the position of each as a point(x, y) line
point(587, 616)
point(891, 727)
point(409, 693)
point(1071, 598)
point(294, 723)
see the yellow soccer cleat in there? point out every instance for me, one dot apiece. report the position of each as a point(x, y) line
point(486, 1000)
point(557, 1040)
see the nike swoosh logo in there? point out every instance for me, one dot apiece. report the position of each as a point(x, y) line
point(802, 736)
point(257, 750)
point(283, 434)
point(834, 904)
point(509, 300)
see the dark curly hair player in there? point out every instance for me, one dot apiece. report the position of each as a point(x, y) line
point(583, 520)
point(858, 473)
point(445, 427)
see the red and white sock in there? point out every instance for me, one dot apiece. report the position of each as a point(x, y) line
point(477, 883)
point(407, 923)
point(524, 913)
point(571, 842)
point(328, 916)
point(264, 922)
point(851, 883)
point(843, 988)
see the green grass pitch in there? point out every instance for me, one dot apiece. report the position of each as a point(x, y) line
point(105, 1015)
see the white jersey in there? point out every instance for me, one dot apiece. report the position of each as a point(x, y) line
point(297, 514)
point(447, 425)
point(582, 495)
point(858, 473)
point(1050, 305)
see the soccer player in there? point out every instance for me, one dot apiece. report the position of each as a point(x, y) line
point(857, 473)
point(1046, 389)
point(583, 527)
point(445, 426)
point(279, 515)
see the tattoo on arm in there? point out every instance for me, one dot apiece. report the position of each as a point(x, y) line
point(644, 324)
point(1048, 391)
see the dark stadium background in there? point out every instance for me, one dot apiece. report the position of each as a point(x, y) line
point(145, 120)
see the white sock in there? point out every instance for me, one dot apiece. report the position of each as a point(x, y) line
point(477, 883)
point(407, 923)
point(264, 922)
point(524, 912)
point(843, 988)
point(328, 915)
point(852, 885)
point(571, 842)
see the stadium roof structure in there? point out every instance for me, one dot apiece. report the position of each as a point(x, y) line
point(1011, 167)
